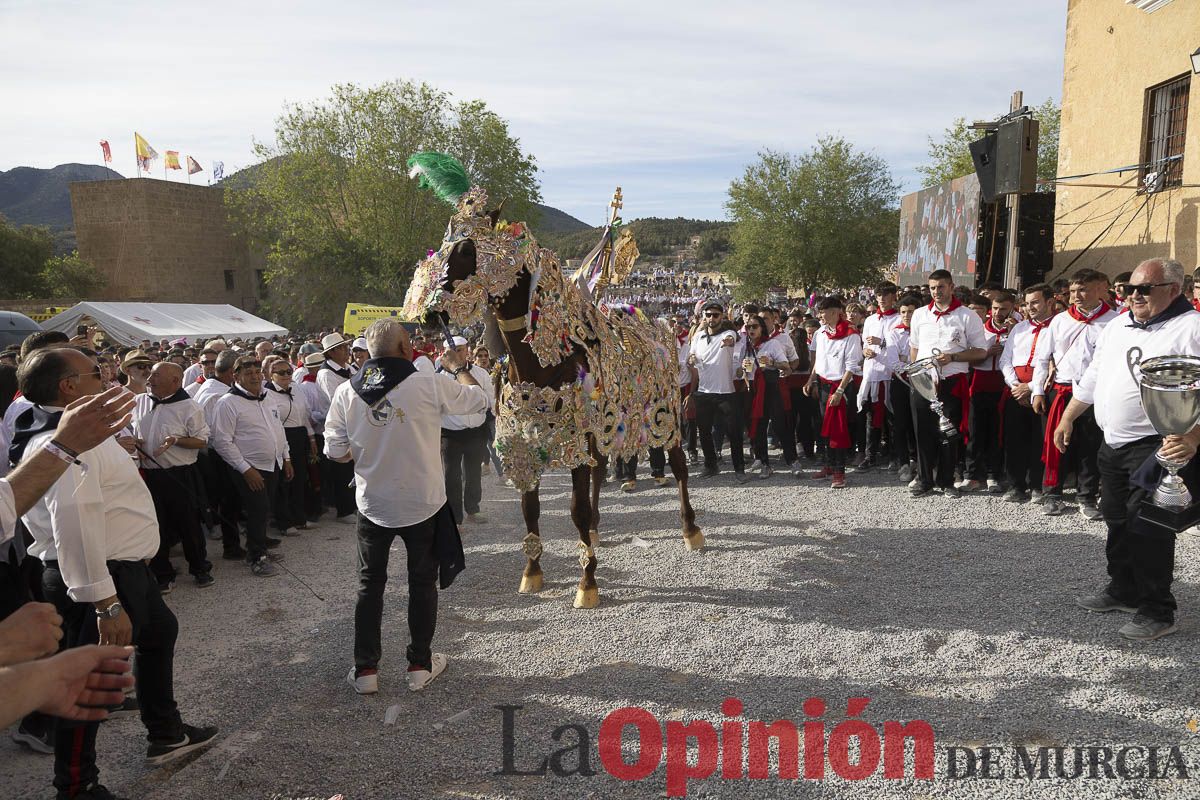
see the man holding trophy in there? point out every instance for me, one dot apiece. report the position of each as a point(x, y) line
point(1146, 417)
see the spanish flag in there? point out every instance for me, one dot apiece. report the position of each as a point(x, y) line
point(172, 160)
point(145, 153)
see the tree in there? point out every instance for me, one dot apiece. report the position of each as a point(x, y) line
point(950, 158)
point(23, 253)
point(333, 207)
point(827, 217)
point(71, 277)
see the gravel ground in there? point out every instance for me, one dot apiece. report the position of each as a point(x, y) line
point(958, 613)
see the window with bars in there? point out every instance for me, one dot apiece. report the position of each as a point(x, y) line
point(1166, 130)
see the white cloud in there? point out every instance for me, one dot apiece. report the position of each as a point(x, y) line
point(616, 91)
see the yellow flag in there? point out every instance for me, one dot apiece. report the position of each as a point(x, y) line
point(145, 153)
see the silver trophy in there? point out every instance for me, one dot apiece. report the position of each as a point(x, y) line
point(923, 376)
point(1170, 387)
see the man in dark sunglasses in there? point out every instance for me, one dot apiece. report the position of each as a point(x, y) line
point(1140, 554)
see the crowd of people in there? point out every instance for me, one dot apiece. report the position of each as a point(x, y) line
point(118, 455)
point(662, 291)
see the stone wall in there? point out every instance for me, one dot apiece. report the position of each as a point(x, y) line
point(162, 241)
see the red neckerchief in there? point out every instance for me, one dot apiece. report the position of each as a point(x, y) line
point(1078, 316)
point(901, 327)
point(954, 303)
point(310, 377)
point(200, 378)
point(761, 342)
point(1038, 327)
point(841, 331)
point(881, 313)
point(990, 326)
point(1195, 305)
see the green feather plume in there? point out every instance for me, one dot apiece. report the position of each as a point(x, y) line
point(440, 173)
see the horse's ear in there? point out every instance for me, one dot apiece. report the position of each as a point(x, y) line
point(495, 213)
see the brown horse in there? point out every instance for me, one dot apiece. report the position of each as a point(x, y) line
point(544, 417)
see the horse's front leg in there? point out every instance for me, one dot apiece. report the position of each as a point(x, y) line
point(588, 594)
point(693, 538)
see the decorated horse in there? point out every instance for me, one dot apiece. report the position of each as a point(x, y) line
point(585, 381)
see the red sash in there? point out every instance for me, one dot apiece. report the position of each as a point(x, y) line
point(836, 424)
point(1050, 454)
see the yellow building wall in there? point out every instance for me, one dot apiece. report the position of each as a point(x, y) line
point(1114, 53)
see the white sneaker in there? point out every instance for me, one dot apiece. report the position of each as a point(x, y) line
point(756, 467)
point(797, 470)
point(418, 679)
point(364, 684)
point(477, 518)
point(914, 482)
point(349, 519)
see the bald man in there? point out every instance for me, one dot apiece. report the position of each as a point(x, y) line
point(171, 431)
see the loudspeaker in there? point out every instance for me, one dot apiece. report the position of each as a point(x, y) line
point(1016, 156)
point(1035, 229)
point(983, 156)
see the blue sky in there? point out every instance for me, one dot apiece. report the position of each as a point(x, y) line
point(671, 100)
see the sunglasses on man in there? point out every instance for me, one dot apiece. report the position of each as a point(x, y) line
point(1144, 288)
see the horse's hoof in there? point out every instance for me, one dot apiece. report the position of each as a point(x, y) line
point(530, 584)
point(594, 537)
point(693, 541)
point(587, 598)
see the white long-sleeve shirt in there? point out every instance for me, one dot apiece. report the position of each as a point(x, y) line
point(247, 433)
point(153, 423)
point(948, 332)
point(458, 422)
point(210, 392)
point(102, 512)
point(397, 443)
point(1020, 350)
point(879, 367)
point(328, 380)
point(291, 407)
point(191, 373)
point(1108, 384)
point(716, 362)
point(1071, 344)
point(897, 350)
point(8, 510)
point(835, 357)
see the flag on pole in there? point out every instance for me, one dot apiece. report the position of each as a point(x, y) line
point(193, 166)
point(107, 152)
point(218, 170)
point(145, 153)
point(171, 161)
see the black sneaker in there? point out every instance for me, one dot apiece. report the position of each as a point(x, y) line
point(234, 554)
point(204, 580)
point(920, 491)
point(96, 791)
point(166, 587)
point(273, 542)
point(37, 741)
point(709, 472)
point(126, 708)
point(159, 753)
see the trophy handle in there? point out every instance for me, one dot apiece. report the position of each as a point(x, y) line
point(1133, 360)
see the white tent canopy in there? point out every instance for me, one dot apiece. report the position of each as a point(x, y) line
point(130, 323)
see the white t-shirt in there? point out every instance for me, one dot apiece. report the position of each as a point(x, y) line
point(948, 332)
point(717, 358)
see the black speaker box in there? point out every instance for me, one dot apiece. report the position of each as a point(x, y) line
point(1016, 156)
point(983, 156)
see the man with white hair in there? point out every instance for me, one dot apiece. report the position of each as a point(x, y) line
point(388, 419)
point(464, 445)
point(1141, 555)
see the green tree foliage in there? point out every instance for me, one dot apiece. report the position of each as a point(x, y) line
point(655, 237)
point(333, 207)
point(23, 253)
point(949, 157)
point(71, 277)
point(827, 217)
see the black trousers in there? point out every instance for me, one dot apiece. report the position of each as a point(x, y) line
point(803, 419)
point(936, 458)
point(1140, 556)
point(728, 409)
point(374, 545)
point(288, 504)
point(1022, 445)
point(463, 455)
point(257, 507)
point(155, 630)
point(176, 493)
point(774, 414)
point(224, 500)
point(341, 478)
point(626, 468)
point(873, 437)
point(835, 457)
point(904, 439)
point(1081, 456)
point(985, 458)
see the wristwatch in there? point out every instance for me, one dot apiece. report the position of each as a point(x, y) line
point(112, 612)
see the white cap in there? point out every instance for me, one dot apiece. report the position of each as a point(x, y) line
point(458, 341)
point(359, 344)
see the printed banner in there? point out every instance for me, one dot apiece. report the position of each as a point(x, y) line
point(193, 166)
point(171, 161)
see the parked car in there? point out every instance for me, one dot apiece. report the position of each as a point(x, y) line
point(15, 327)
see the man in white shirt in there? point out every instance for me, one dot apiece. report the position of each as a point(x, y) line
point(202, 372)
point(985, 453)
point(464, 446)
point(388, 420)
point(1071, 339)
point(904, 442)
point(877, 377)
point(94, 530)
point(716, 352)
point(1140, 555)
point(171, 431)
point(221, 496)
point(337, 477)
point(837, 362)
point(1023, 425)
point(249, 436)
point(291, 405)
point(956, 333)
